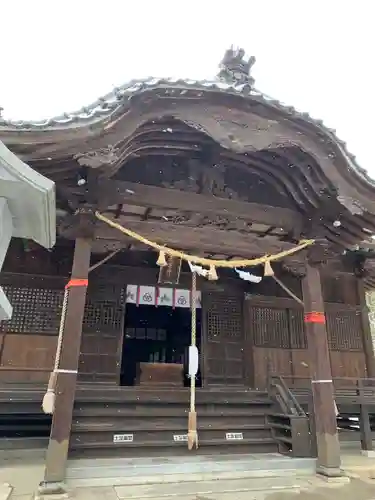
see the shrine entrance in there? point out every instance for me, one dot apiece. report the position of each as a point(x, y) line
point(157, 335)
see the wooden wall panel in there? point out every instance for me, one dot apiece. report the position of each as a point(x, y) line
point(27, 358)
point(270, 360)
point(347, 365)
point(293, 364)
point(300, 367)
point(278, 344)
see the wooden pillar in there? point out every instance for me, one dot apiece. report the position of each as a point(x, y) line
point(57, 452)
point(328, 447)
point(368, 348)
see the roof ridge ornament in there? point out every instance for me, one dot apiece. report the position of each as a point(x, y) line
point(235, 68)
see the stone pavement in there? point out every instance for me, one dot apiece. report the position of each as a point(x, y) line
point(22, 474)
point(260, 489)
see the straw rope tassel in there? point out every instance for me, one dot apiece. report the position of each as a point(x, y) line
point(192, 423)
point(48, 404)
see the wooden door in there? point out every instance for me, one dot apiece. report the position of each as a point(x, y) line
point(223, 338)
point(103, 324)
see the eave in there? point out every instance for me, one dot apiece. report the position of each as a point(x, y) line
point(120, 112)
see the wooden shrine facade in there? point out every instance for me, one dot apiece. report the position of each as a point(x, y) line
point(249, 331)
point(219, 171)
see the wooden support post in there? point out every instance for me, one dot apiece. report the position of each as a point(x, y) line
point(364, 421)
point(366, 330)
point(57, 452)
point(327, 440)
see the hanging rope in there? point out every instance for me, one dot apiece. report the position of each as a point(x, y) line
point(211, 263)
point(48, 404)
point(192, 422)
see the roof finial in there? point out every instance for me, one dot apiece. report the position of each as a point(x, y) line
point(235, 68)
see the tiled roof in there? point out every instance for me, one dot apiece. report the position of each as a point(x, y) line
point(118, 98)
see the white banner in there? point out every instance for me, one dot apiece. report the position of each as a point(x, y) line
point(181, 298)
point(131, 294)
point(165, 297)
point(147, 296)
point(160, 296)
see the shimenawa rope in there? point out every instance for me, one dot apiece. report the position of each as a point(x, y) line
point(211, 263)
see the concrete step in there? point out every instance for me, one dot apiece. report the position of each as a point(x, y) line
point(224, 489)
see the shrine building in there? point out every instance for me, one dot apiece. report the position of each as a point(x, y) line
point(206, 293)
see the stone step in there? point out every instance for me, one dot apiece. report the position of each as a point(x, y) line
point(223, 489)
point(169, 469)
point(256, 461)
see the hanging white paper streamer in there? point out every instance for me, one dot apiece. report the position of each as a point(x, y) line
point(198, 300)
point(193, 360)
point(199, 270)
point(246, 276)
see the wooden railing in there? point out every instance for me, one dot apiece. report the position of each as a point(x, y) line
point(355, 401)
point(288, 421)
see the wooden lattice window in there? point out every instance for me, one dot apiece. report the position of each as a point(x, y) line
point(35, 310)
point(224, 318)
point(344, 329)
point(277, 328)
point(270, 327)
point(297, 329)
point(104, 308)
point(223, 354)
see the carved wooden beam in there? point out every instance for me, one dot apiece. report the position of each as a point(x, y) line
point(206, 239)
point(117, 192)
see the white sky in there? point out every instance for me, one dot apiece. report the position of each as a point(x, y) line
point(314, 54)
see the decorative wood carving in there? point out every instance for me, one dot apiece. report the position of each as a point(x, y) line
point(98, 158)
point(354, 206)
point(204, 179)
point(319, 253)
point(208, 174)
point(82, 223)
point(192, 219)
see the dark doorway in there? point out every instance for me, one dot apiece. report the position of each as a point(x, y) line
point(157, 335)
